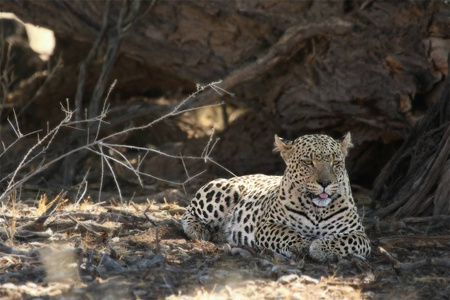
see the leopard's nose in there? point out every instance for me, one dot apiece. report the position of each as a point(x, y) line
point(324, 183)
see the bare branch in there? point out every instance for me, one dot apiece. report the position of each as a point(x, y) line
point(46, 141)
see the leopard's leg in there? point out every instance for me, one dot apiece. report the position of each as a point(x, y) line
point(340, 245)
point(281, 239)
point(193, 228)
point(205, 217)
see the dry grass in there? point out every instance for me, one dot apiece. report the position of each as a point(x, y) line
point(138, 251)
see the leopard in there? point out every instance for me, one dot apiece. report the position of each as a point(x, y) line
point(308, 211)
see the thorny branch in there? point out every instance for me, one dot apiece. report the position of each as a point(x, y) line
point(114, 37)
point(96, 146)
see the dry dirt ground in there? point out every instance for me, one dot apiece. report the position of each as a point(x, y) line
point(51, 248)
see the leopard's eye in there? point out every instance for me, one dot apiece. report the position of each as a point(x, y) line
point(337, 162)
point(307, 162)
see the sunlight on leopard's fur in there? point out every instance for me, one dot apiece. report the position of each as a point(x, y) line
point(308, 210)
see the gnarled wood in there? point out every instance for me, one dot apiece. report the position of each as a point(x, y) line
point(407, 184)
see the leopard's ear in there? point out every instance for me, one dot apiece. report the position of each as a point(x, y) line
point(284, 146)
point(346, 143)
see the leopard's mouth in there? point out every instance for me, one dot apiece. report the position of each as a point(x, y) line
point(321, 200)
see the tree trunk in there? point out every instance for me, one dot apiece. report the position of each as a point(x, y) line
point(416, 182)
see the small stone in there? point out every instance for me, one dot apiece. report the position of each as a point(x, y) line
point(343, 263)
point(236, 251)
point(227, 249)
point(309, 279)
point(278, 258)
point(278, 269)
point(265, 262)
point(242, 252)
point(202, 279)
point(370, 277)
point(140, 293)
point(358, 256)
point(287, 278)
point(87, 278)
point(10, 286)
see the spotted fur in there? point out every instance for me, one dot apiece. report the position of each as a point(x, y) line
point(309, 209)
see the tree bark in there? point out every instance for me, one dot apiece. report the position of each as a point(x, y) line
point(416, 181)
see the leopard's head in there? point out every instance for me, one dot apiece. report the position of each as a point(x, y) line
point(315, 165)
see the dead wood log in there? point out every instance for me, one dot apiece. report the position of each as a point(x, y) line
point(110, 264)
point(4, 249)
point(402, 268)
point(24, 275)
point(415, 181)
point(25, 234)
point(416, 241)
point(59, 224)
point(435, 218)
point(415, 224)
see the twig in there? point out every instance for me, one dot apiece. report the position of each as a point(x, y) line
point(79, 195)
point(16, 129)
point(38, 223)
point(69, 164)
point(150, 220)
point(5, 149)
point(173, 112)
point(102, 155)
point(108, 157)
point(27, 159)
point(112, 52)
point(415, 241)
point(105, 108)
point(91, 226)
point(15, 251)
point(87, 62)
point(27, 234)
point(158, 247)
point(401, 268)
point(111, 265)
point(128, 163)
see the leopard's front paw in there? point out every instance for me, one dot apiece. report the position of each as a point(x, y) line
point(299, 249)
point(319, 251)
point(197, 231)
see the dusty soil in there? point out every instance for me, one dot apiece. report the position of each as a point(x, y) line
point(137, 250)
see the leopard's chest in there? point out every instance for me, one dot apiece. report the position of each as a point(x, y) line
point(315, 222)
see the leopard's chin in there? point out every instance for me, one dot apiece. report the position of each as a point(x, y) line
point(321, 202)
point(321, 199)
